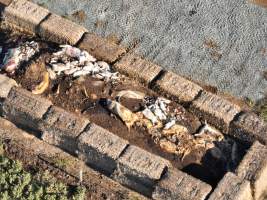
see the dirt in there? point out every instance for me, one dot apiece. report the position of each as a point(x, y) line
point(86, 96)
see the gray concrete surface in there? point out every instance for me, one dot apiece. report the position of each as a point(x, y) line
point(220, 42)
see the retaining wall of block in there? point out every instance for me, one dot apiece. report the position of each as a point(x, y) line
point(113, 156)
point(37, 154)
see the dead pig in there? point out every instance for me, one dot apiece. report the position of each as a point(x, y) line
point(128, 117)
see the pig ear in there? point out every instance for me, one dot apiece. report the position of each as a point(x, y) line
point(260, 2)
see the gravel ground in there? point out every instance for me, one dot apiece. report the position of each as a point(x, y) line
point(219, 42)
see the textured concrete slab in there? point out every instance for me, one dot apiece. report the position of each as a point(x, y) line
point(178, 87)
point(232, 187)
point(215, 110)
point(249, 127)
point(24, 108)
point(176, 184)
point(61, 128)
point(253, 168)
point(101, 148)
point(139, 169)
point(218, 42)
point(101, 49)
point(138, 68)
point(25, 14)
point(60, 30)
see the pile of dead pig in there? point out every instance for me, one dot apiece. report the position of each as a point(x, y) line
point(75, 80)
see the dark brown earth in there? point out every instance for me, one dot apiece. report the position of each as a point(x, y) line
point(84, 96)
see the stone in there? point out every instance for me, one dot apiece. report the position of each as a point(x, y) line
point(139, 169)
point(60, 30)
point(177, 87)
point(215, 110)
point(138, 68)
point(25, 15)
point(248, 127)
point(176, 184)
point(232, 187)
point(24, 108)
point(61, 128)
point(5, 85)
point(101, 148)
point(101, 48)
point(253, 168)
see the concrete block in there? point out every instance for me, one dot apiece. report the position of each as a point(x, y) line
point(253, 168)
point(1, 106)
point(5, 85)
point(136, 67)
point(101, 48)
point(232, 187)
point(100, 148)
point(59, 30)
point(24, 108)
point(139, 169)
point(176, 184)
point(215, 110)
point(177, 87)
point(61, 128)
point(25, 14)
point(248, 127)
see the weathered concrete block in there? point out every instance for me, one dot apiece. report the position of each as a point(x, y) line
point(248, 127)
point(1, 106)
point(215, 110)
point(232, 187)
point(253, 168)
point(178, 87)
point(61, 128)
point(136, 67)
point(101, 48)
point(25, 14)
point(101, 148)
point(24, 108)
point(60, 30)
point(5, 85)
point(176, 184)
point(5, 2)
point(139, 169)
